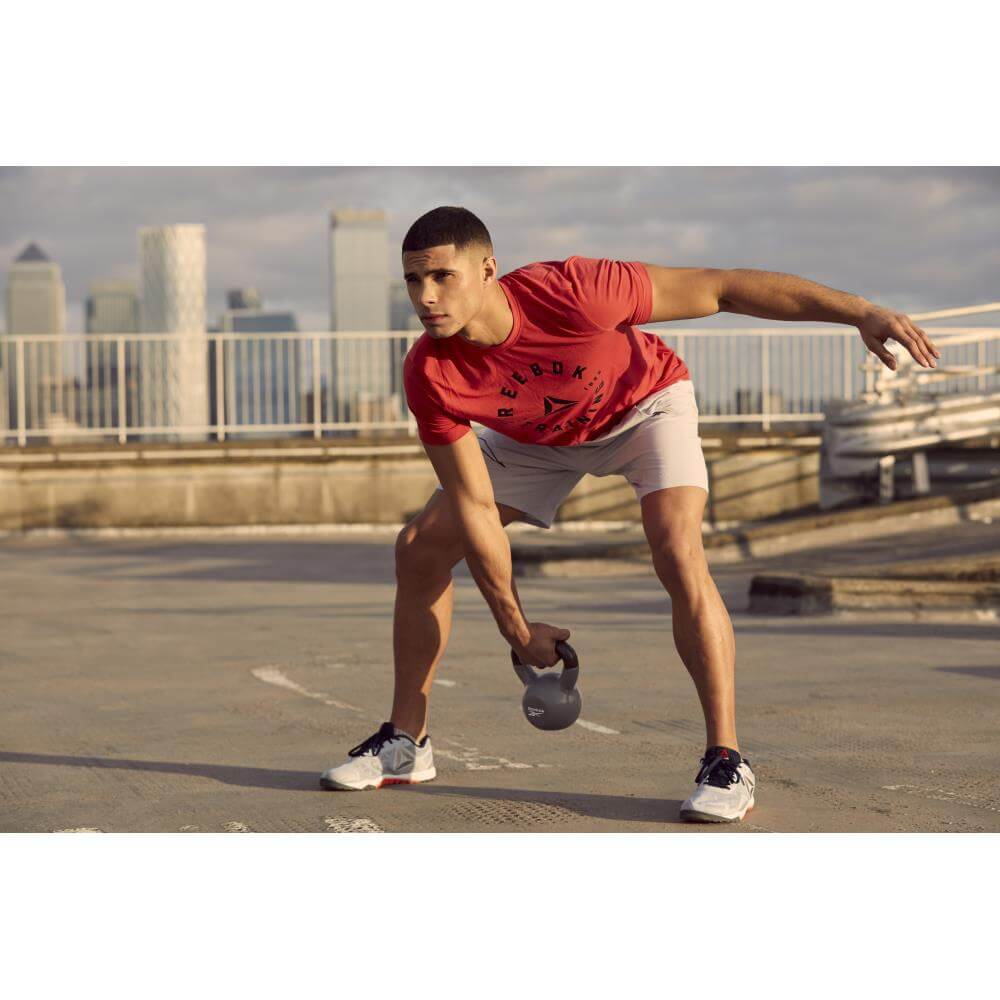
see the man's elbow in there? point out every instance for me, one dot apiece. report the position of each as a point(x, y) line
point(726, 285)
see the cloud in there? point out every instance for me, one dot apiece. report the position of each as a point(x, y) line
point(914, 237)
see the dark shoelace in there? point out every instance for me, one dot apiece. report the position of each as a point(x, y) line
point(718, 770)
point(375, 742)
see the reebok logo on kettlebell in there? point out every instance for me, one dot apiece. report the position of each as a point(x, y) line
point(550, 700)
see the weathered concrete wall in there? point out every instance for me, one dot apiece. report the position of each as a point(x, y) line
point(76, 492)
point(214, 493)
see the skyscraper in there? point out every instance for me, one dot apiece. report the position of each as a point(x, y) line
point(264, 379)
point(36, 295)
point(112, 307)
point(36, 304)
point(173, 384)
point(359, 270)
point(359, 301)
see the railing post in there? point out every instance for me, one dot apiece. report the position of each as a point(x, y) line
point(981, 363)
point(22, 437)
point(220, 392)
point(765, 382)
point(120, 354)
point(317, 402)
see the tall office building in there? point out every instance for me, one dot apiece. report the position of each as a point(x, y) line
point(173, 382)
point(35, 303)
point(361, 370)
point(263, 378)
point(36, 295)
point(258, 321)
point(112, 308)
point(359, 270)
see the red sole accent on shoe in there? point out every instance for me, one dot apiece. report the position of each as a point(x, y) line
point(394, 781)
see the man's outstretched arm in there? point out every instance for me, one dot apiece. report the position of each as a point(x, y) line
point(690, 292)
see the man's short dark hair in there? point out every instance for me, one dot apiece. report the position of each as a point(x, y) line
point(448, 224)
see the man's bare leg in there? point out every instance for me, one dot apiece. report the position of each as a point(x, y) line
point(703, 631)
point(427, 550)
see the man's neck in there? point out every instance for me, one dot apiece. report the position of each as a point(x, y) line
point(494, 323)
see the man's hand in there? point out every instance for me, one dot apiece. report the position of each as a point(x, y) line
point(879, 325)
point(539, 649)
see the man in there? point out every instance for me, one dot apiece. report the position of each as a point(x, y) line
point(550, 361)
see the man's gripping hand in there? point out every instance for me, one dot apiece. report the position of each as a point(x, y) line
point(538, 647)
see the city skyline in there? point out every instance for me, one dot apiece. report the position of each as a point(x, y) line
point(910, 237)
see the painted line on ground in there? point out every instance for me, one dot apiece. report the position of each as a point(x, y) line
point(80, 829)
point(595, 728)
point(272, 675)
point(445, 684)
point(475, 760)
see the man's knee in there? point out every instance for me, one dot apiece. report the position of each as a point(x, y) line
point(422, 554)
point(680, 562)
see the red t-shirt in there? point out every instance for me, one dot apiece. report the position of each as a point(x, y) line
point(570, 369)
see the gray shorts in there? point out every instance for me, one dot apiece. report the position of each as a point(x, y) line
point(656, 446)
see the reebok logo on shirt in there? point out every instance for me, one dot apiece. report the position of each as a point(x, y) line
point(552, 403)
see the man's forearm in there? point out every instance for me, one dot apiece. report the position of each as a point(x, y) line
point(772, 295)
point(487, 554)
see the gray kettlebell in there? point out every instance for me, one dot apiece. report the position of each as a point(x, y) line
point(551, 701)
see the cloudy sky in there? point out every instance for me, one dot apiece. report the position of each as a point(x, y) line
point(913, 238)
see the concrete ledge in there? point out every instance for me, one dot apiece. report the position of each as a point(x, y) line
point(321, 481)
point(803, 594)
point(631, 554)
point(164, 454)
point(321, 447)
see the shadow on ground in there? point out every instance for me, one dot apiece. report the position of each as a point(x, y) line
point(247, 777)
point(991, 672)
point(612, 807)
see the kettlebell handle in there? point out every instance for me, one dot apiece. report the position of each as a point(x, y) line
point(571, 666)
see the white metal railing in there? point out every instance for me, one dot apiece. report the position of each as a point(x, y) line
point(220, 385)
point(975, 372)
point(226, 385)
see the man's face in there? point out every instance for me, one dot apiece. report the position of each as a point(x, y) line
point(447, 288)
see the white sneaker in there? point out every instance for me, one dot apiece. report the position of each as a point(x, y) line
point(386, 758)
point(725, 788)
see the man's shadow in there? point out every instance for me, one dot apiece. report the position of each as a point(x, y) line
point(619, 807)
point(246, 777)
point(627, 808)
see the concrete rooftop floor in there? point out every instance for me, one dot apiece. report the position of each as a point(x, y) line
point(203, 685)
